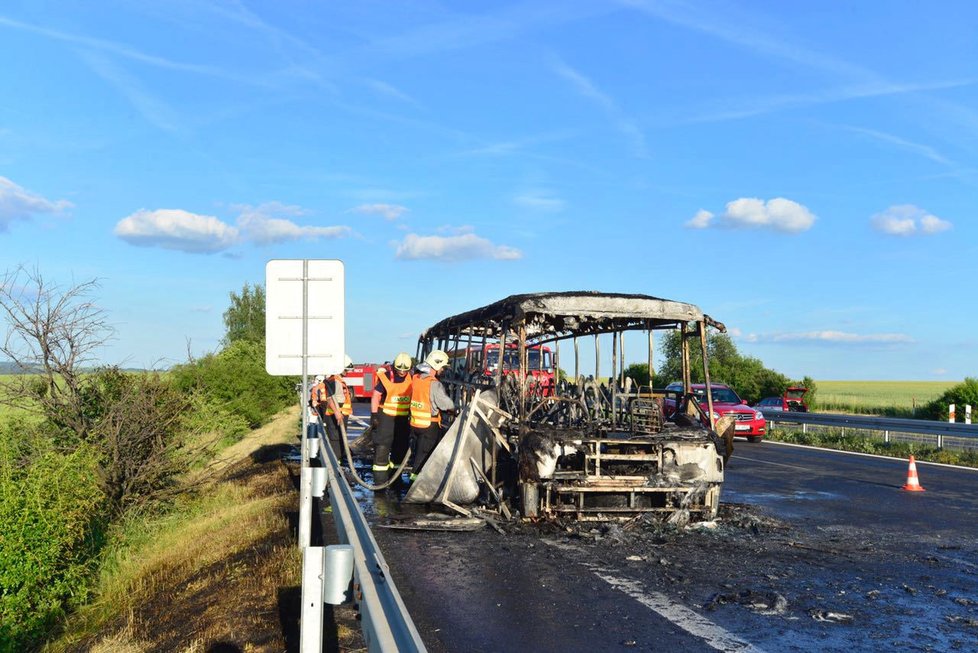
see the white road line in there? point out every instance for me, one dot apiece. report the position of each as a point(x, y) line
point(870, 455)
point(768, 462)
point(693, 623)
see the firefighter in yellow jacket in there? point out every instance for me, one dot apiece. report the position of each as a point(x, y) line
point(390, 407)
point(337, 406)
point(429, 402)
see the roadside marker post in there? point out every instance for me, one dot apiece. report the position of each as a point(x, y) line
point(967, 413)
point(950, 413)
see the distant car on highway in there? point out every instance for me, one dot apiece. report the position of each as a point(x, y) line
point(749, 422)
point(793, 400)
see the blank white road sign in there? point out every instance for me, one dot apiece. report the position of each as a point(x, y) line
point(322, 298)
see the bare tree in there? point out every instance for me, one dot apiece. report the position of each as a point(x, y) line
point(52, 334)
point(138, 422)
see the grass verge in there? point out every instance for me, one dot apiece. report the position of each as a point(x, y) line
point(835, 439)
point(221, 568)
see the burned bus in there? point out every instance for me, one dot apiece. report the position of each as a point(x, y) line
point(594, 447)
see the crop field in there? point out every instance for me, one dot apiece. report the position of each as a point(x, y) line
point(893, 398)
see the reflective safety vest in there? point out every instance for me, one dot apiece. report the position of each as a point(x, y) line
point(421, 417)
point(347, 408)
point(317, 395)
point(397, 402)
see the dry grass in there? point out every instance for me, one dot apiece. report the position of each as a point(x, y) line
point(215, 572)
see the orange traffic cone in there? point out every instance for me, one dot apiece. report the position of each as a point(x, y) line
point(913, 483)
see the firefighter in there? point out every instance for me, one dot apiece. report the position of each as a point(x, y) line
point(317, 395)
point(429, 402)
point(338, 407)
point(390, 408)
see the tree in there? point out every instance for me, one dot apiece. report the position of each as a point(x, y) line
point(811, 397)
point(746, 374)
point(639, 373)
point(52, 334)
point(131, 421)
point(245, 317)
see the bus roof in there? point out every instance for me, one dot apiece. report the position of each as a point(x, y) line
point(562, 314)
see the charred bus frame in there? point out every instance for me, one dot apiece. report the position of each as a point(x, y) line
point(595, 451)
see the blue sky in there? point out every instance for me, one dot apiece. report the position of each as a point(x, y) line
point(804, 172)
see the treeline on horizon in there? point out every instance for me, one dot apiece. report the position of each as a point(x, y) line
point(87, 450)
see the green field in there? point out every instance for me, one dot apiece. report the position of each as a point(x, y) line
point(894, 398)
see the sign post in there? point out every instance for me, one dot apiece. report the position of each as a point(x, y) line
point(305, 330)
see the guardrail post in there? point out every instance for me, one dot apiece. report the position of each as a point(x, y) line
point(305, 507)
point(311, 615)
point(338, 574)
point(320, 476)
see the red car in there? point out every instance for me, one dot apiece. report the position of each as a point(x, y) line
point(750, 422)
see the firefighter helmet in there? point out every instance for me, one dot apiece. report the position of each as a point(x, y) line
point(402, 362)
point(437, 359)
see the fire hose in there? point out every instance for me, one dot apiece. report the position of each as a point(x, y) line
point(353, 471)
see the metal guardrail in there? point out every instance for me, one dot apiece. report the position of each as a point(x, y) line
point(354, 570)
point(887, 425)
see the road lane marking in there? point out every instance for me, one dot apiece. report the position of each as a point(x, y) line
point(692, 622)
point(768, 462)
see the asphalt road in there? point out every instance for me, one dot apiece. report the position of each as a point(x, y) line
point(827, 488)
point(814, 550)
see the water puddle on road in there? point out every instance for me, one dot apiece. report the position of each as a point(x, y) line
point(775, 497)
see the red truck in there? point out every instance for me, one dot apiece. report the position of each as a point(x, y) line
point(540, 363)
point(361, 380)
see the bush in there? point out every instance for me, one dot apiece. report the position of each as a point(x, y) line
point(51, 526)
point(208, 416)
point(235, 379)
point(639, 373)
point(960, 395)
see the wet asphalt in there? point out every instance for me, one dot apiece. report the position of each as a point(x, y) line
point(861, 564)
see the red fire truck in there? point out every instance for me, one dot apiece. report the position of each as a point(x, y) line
point(540, 363)
point(361, 380)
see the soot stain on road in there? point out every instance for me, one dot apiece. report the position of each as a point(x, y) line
point(775, 584)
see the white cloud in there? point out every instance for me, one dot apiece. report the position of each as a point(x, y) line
point(17, 203)
point(540, 201)
point(585, 87)
point(908, 220)
point(387, 211)
point(461, 247)
point(260, 225)
point(701, 220)
point(204, 234)
point(838, 337)
point(177, 229)
point(779, 214)
point(931, 224)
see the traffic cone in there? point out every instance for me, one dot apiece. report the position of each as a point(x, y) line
point(913, 483)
